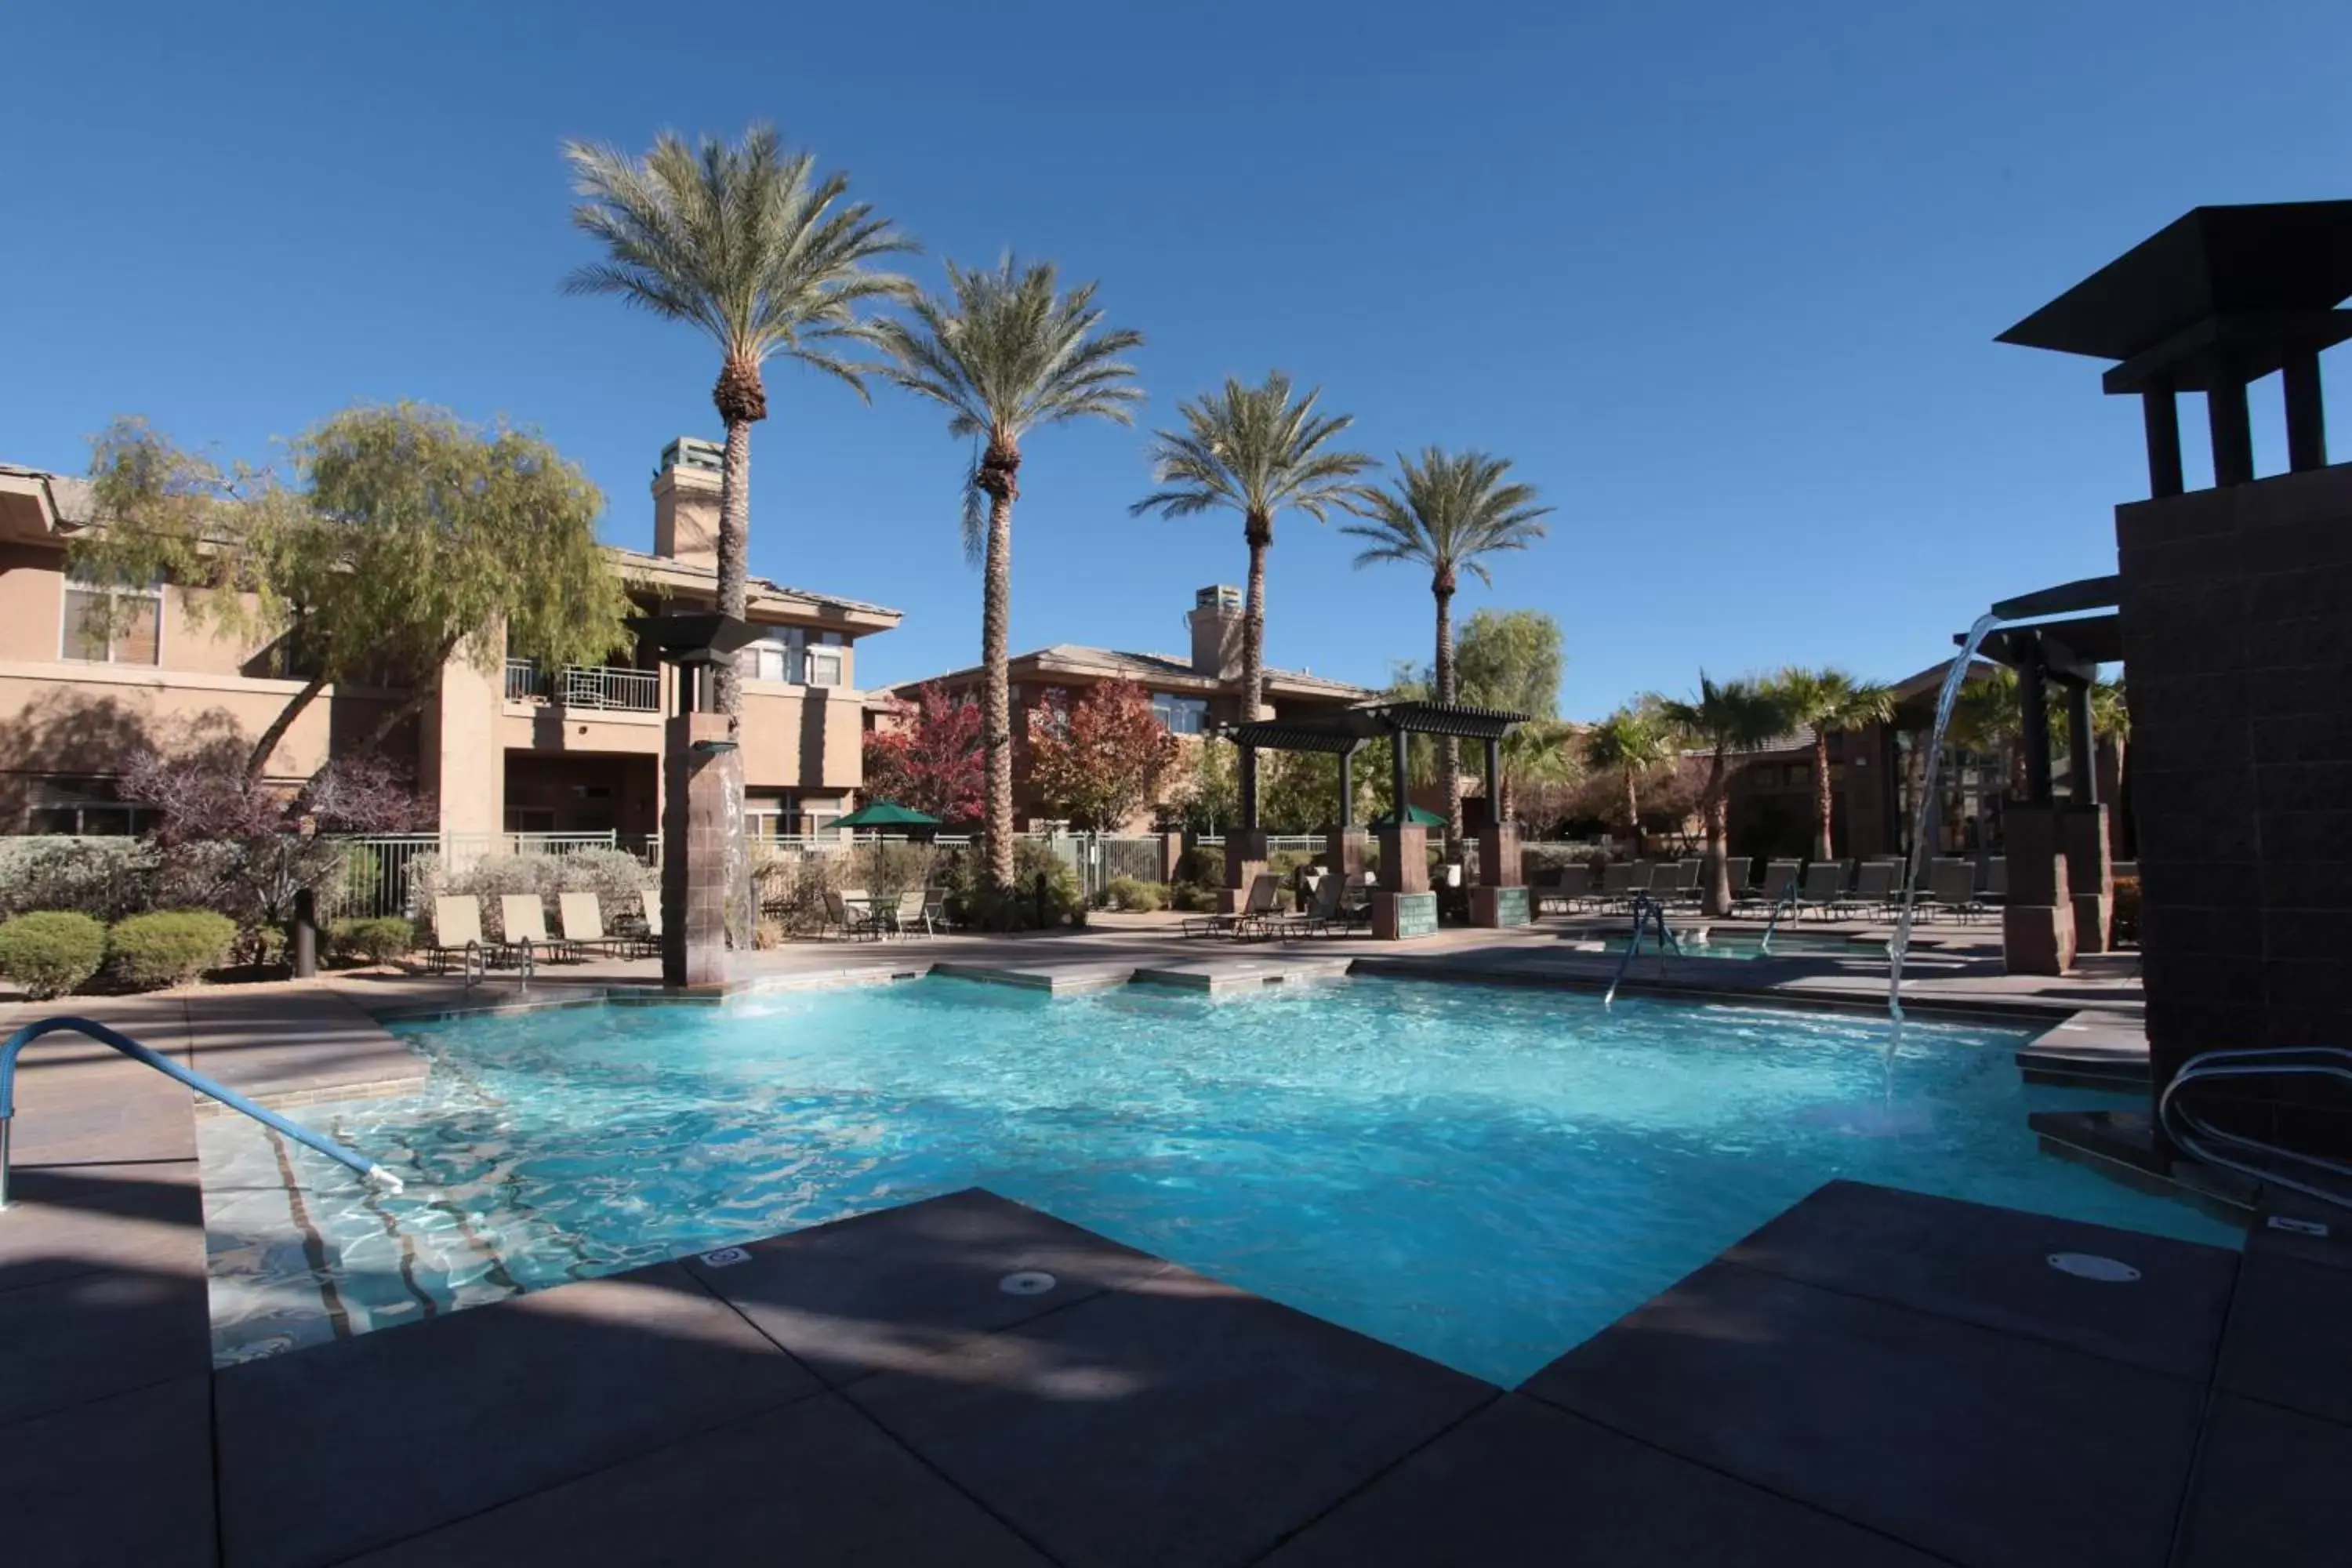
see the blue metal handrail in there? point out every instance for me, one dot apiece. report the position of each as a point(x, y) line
point(2236, 1151)
point(130, 1047)
point(1647, 912)
point(1786, 900)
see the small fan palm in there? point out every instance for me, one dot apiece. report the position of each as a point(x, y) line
point(1629, 744)
point(1006, 351)
point(1832, 702)
point(750, 244)
point(1254, 450)
point(1447, 512)
point(1724, 717)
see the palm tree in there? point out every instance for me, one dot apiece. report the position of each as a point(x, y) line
point(1630, 742)
point(1538, 751)
point(1724, 717)
point(748, 244)
point(1832, 702)
point(1254, 450)
point(1008, 351)
point(1446, 511)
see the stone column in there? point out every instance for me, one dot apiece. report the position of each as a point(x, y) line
point(694, 852)
point(1245, 856)
point(1343, 850)
point(1501, 899)
point(1402, 906)
point(2037, 923)
point(2090, 877)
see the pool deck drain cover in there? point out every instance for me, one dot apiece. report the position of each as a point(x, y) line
point(1027, 1282)
point(2091, 1265)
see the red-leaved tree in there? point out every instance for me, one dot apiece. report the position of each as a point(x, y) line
point(928, 756)
point(1098, 761)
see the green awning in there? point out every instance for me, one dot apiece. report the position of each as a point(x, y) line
point(1416, 816)
point(886, 814)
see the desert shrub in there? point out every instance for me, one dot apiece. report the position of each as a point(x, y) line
point(377, 941)
point(1535, 858)
point(51, 951)
point(616, 877)
point(1192, 897)
point(169, 947)
point(2126, 909)
point(792, 890)
point(1203, 864)
point(105, 878)
point(1134, 893)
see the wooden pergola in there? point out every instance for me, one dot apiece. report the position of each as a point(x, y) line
point(1347, 731)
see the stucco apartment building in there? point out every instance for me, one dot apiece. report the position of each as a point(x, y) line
point(1192, 696)
point(517, 749)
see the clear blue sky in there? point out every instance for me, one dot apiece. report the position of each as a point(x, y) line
point(1722, 282)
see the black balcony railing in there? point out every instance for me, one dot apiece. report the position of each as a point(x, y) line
point(598, 687)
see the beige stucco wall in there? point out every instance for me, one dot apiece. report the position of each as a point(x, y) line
point(803, 736)
point(462, 755)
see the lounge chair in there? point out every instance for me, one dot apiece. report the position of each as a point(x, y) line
point(914, 910)
point(1873, 888)
point(1330, 910)
point(1823, 888)
point(850, 921)
point(1952, 888)
point(1619, 883)
point(1996, 888)
point(457, 931)
point(1563, 886)
point(653, 919)
point(1766, 891)
point(1687, 874)
point(522, 919)
point(581, 918)
point(1260, 909)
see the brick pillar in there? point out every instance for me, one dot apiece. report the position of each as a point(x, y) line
point(694, 854)
point(1343, 850)
point(2090, 876)
point(1501, 899)
point(1245, 856)
point(2037, 923)
point(1171, 851)
point(1402, 905)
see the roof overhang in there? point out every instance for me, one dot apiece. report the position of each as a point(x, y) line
point(1348, 728)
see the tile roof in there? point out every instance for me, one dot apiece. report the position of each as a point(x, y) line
point(1147, 665)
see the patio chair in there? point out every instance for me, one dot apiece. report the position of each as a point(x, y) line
point(1996, 888)
point(1688, 871)
point(851, 922)
point(581, 918)
point(1560, 886)
point(522, 916)
point(914, 910)
point(1262, 907)
point(1873, 887)
point(1952, 888)
point(1823, 888)
point(1778, 876)
point(1321, 914)
point(457, 929)
point(1620, 881)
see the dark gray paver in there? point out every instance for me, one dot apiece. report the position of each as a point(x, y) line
point(127, 1479)
point(1981, 1447)
point(813, 1482)
point(1180, 1422)
point(2333, 1249)
point(1524, 1482)
point(89, 1335)
point(900, 1287)
point(1990, 1265)
point(2290, 1339)
point(342, 1447)
point(2269, 1490)
point(64, 1220)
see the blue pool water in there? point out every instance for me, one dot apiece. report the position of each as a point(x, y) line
point(1483, 1176)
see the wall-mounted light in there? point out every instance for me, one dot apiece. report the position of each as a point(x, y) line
point(712, 748)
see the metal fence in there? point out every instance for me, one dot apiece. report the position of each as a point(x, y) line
point(379, 870)
point(583, 686)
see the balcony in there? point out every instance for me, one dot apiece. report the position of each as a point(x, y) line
point(602, 688)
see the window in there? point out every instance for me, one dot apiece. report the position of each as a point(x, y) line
point(825, 660)
point(771, 657)
point(794, 655)
point(1182, 715)
point(86, 807)
point(782, 814)
point(127, 631)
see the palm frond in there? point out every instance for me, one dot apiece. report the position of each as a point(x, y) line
point(1251, 449)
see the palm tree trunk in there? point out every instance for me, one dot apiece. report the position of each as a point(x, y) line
point(1716, 806)
point(1449, 750)
point(1823, 805)
point(1260, 534)
point(996, 717)
point(741, 400)
point(1632, 817)
point(734, 532)
point(257, 762)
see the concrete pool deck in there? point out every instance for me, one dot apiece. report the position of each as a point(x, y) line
point(1133, 1411)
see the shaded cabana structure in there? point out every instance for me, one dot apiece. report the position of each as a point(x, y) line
point(2061, 895)
point(1403, 905)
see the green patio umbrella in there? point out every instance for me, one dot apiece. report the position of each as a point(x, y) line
point(882, 813)
point(1415, 815)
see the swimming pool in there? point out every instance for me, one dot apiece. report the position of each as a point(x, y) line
point(1485, 1175)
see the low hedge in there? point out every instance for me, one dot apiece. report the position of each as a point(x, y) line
point(1136, 894)
point(377, 941)
point(170, 947)
point(51, 951)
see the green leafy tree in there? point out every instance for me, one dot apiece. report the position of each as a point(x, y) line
point(1254, 450)
point(408, 537)
point(1447, 512)
point(1512, 660)
point(1631, 742)
point(1211, 798)
point(1832, 702)
point(1724, 718)
point(1006, 351)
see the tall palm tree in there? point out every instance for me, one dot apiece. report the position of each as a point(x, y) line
point(1834, 702)
point(1630, 743)
point(747, 243)
point(1254, 450)
point(1447, 511)
point(1007, 351)
point(1724, 717)
point(1539, 752)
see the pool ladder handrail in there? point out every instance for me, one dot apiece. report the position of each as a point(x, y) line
point(2196, 1136)
point(1647, 912)
point(16, 1042)
point(1786, 901)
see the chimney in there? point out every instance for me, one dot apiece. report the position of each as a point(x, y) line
point(1216, 620)
point(685, 501)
